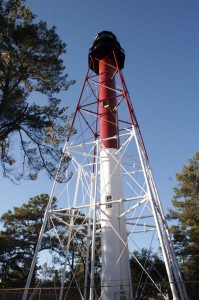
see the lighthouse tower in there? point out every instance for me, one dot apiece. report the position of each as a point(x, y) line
point(109, 208)
point(115, 277)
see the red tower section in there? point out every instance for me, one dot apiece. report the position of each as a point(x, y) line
point(102, 62)
point(107, 98)
point(99, 110)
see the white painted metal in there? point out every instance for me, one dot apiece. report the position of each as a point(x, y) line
point(121, 215)
point(48, 208)
point(93, 206)
point(157, 219)
point(115, 278)
point(66, 257)
point(89, 239)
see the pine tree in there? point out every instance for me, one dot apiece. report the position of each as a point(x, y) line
point(143, 287)
point(18, 240)
point(31, 64)
point(185, 231)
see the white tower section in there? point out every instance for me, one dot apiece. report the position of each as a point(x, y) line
point(115, 278)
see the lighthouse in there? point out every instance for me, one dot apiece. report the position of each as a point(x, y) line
point(115, 276)
point(109, 205)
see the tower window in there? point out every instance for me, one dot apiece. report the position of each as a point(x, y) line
point(121, 295)
point(105, 103)
point(108, 199)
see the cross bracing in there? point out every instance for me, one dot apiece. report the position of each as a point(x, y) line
point(82, 210)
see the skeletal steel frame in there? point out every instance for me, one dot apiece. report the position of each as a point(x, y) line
point(81, 197)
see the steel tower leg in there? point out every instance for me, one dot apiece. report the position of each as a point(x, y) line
point(48, 208)
point(157, 219)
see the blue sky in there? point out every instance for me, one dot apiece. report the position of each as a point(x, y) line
point(161, 42)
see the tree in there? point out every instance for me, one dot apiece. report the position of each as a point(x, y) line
point(185, 231)
point(19, 238)
point(143, 287)
point(30, 65)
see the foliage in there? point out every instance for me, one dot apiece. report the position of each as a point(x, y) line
point(19, 238)
point(143, 287)
point(30, 67)
point(185, 231)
